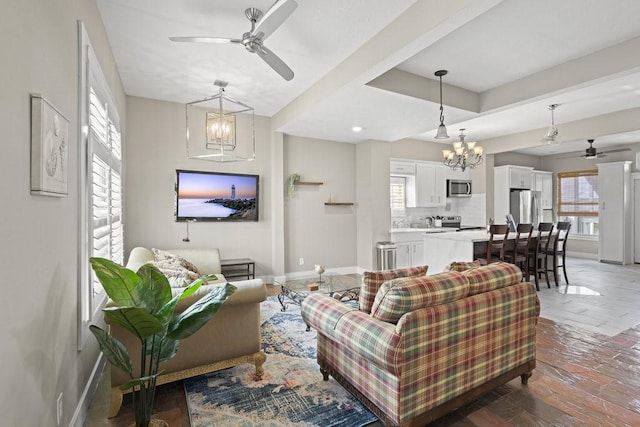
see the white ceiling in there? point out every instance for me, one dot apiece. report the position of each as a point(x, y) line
point(507, 60)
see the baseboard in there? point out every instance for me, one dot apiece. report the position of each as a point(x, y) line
point(585, 255)
point(82, 409)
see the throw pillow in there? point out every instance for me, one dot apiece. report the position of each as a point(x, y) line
point(399, 296)
point(179, 271)
point(372, 280)
point(462, 265)
point(161, 255)
point(493, 276)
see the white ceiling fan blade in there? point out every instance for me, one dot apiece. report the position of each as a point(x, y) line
point(218, 40)
point(276, 63)
point(274, 17)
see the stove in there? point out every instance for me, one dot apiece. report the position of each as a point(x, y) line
point(451, 221)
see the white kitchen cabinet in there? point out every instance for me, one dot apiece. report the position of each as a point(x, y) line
point(402, 168)
point(519, 177)
point(403, 255)
point(409, 254)
point(506, 178)
point(430, 185)
point(615, 240)
point(543, 182)
point(417, 253)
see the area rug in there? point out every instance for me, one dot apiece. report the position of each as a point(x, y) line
point(291, 392)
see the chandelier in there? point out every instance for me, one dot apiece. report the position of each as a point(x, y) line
point(464, 154)
point(220, 128)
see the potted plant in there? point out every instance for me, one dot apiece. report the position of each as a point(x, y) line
point(143, 304)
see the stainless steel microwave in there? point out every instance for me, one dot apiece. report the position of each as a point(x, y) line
point(458, 188)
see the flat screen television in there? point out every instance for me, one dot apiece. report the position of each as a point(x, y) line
point(216, 196)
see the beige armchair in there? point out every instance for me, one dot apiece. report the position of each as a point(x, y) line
point(231, 338)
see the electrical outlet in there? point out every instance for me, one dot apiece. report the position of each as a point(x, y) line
point(59, 409)
point(301, 261)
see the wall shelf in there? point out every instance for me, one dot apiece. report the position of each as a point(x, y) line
point(307, 183)
point(338, 204)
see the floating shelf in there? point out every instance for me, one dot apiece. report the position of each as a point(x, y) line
point(307, 183)
point(338, 204)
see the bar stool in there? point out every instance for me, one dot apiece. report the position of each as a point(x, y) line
point(559, 249)
point(538, 257)
point(498, 234)
point(519, 254)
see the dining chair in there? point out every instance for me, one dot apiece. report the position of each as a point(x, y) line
point(519, 253)
point(498, 234)
point(538, 253)
point(559, 250)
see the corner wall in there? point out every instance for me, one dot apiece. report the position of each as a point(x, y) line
point(315, 232)
point(156, 147)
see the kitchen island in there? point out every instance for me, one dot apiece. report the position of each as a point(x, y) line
point(443, 248)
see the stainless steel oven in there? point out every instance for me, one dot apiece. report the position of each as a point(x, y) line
point(458, 188)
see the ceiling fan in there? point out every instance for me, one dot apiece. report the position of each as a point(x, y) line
point(592, 153)
point(262, 26)
point(552, 134)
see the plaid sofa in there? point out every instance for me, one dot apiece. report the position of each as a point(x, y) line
point(428, 344)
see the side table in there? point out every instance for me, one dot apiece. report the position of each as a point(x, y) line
point(244, 268)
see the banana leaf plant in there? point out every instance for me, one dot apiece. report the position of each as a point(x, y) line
point(143, 305)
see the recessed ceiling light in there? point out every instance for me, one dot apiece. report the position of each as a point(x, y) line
point(356, 128)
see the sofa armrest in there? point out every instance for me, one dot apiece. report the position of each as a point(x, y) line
point(322, 312)
point(372, 339)
point(251, 291)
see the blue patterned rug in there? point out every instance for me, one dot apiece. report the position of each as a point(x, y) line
point(291, 392)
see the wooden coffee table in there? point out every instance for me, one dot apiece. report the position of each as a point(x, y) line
point(340, 286)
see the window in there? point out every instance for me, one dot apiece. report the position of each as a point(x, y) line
point(397, 194)
point(100, 182)
point(578, 201)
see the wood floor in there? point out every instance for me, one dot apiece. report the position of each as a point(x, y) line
point(581, 379)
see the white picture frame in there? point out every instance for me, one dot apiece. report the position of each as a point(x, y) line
point(49, 149)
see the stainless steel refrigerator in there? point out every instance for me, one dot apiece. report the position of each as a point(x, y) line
point(525, 207)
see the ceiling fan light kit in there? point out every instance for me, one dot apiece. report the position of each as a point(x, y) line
point(552, 134)
point(262, 26)
point(220, 128)
point(442, 129)
point(464, 154)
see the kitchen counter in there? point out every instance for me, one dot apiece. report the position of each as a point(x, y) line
point(442, 249)
point(421, 230)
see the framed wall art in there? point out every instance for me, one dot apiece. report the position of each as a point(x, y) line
point(49, 149)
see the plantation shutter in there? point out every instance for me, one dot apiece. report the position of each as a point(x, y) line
point(106, 183)
point(578, 193)
point(397, 193)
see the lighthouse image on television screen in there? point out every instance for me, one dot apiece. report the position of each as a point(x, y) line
point(216, 196)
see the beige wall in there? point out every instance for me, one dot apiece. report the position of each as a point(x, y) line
point(318, 233)
point(39, 317)
point(156, 147)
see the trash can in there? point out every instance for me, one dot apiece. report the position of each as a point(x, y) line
point(386, 255)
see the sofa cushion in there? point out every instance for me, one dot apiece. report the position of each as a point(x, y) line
point(462, 265)
point(372, 280)
point(493, 276)
point(399, 296)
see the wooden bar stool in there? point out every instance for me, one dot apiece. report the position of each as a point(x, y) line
point(538, 256)
point(559, 249)
point(498, 234)
point(519, 253)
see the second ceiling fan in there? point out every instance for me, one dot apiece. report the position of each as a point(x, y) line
point(262, 26)
point(592, 153)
